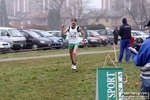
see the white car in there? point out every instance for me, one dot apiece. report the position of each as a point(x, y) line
point(4, 46)
point(139, 34)
point(13, 37)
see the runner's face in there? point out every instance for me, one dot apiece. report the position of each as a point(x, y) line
point(73, 23)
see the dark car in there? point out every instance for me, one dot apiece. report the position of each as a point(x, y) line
point(35, 41)
point(107, 33)
point(55, 41)
point(104, 40)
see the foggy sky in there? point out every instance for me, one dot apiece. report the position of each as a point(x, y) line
point(96, 3)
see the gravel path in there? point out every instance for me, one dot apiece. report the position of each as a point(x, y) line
point(49, 56)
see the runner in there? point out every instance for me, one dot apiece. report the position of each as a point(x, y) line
point(73, 33)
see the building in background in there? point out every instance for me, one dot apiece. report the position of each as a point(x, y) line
point(74, 7)
point(34, 12)
point(121, 4)
point(115, 4)
point(110, 20)
point(37, 10)
point(15, 7)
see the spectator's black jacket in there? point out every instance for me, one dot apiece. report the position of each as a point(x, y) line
point(125, 31)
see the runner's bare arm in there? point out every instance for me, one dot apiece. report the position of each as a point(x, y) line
point(83, 34)
point(64, 31)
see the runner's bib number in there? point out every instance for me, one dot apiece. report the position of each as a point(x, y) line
point(73, 36)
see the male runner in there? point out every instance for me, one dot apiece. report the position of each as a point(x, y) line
point(73, 34)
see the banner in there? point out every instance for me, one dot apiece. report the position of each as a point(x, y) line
point(109, 85)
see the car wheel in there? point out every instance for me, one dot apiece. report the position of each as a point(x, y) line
point(16, 48)
point(57, 47)
point(139, 40)
point(63, 46)
point(104, 44)
point(94, 45)
point(34, 47)
point(3, 52)
point(142, 40)
point(111, 43)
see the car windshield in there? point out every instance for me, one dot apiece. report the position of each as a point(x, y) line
point(135, 34)
point(53, 33)
point(15, 33)
point(102, 32)
point(105, 32)
point(46, 34)
point(57, 34)
point(95, 33)
point(33, 34)
point(138, 33)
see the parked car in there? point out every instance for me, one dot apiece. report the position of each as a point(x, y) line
point(55, 41)
point(139, 36)
point(146, 32)
point(35, 41)
point(92, 41)
point(104, 40)
point(13, 37)
point(58, 34)
point(107, 33)
point(4, 46)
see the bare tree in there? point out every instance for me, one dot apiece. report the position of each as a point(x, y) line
point(3, 14)
point(138, 9)
point(54, 16)
point(78, 10)
point(60, 11)
point(97, 14)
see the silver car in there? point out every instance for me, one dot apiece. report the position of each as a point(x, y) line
point(13, 37)
point(140, 35)
point(4, 46)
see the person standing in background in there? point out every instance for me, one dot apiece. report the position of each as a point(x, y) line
point(85, 32)
point(125, 34)
point(116, 32)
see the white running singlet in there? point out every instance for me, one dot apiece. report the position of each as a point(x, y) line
point(73, 35)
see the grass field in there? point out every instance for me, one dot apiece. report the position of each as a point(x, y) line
point(53, 79)
point(50, 52)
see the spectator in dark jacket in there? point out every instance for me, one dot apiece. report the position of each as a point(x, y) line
point(125, 34)
point(116, 32)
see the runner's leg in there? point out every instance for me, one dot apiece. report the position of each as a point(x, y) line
point(71, 55)
point(75, 53)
